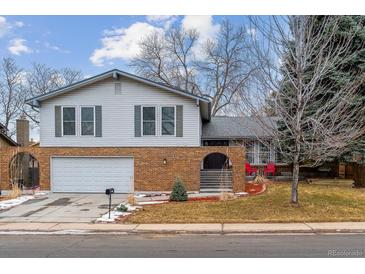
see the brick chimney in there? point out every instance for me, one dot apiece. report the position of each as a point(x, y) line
point(22, 131)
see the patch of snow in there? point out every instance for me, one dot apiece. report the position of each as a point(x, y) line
point(151, 194)
point(14, 202)
point(241, 193)
point(115, 214)
point(132, 208)
point(40, 193)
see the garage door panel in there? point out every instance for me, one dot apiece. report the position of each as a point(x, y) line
point(92, 174)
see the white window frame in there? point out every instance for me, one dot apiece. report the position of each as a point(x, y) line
point(75, 107)
point(80, 111)
point(253, 148)
point(256, 152)
point(259, 153)
point(168, 106)
point(142, 131)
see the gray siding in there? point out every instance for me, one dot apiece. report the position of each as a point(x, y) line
point(98, 121)
point(118, 124)
point(137, 121)
point(179, 121)
point(58, 121)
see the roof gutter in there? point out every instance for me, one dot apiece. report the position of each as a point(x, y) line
point(35, 101)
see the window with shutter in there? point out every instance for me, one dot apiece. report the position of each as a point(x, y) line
point(167, 120)
point(69, 121)
point(87, 121)
point(149, 121)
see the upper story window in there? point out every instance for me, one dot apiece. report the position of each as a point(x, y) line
point(87, 121)
point(69, 121)
point(149, 121)
point(167, 120)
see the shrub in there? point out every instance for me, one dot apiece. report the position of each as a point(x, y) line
point(121, 208)
point(15, 191)
point(259, 180)
point(132, 199)
point(178, 193)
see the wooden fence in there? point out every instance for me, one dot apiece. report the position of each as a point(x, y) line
point(359, 175)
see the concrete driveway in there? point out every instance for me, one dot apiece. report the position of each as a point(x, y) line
point(61, 207)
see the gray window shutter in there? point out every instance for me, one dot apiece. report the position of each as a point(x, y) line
point(137, 121)
point(98, 122)
point(58, 121)
point(179, 121)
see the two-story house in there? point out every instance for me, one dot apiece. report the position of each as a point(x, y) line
point(123, 131)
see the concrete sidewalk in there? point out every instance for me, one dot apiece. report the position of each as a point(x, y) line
point(85, 228)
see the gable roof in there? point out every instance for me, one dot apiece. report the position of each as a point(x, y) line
point(115, 73)
point(4, 136)
point(230, 128)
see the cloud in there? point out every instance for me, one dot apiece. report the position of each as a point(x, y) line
point(122, 43)
point(18, 46)
point(55, 48)
point(154, 18)
point(204, 25)
point(251, 32)
point(4, 26)
point(19, 24)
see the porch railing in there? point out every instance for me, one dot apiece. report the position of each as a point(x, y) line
point(215, 179)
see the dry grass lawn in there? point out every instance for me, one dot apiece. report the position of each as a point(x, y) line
point(328, 202)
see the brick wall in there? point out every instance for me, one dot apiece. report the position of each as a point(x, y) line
point(150, 173)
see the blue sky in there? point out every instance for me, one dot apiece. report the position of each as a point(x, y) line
point(92, 44)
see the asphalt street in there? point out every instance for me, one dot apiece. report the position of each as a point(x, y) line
point(176, 246)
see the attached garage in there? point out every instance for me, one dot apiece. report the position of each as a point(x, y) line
point(92, 174)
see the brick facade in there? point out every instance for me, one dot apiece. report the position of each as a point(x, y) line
point(150, 172)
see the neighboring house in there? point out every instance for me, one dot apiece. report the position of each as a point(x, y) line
point(23, 168)
point(5, 140)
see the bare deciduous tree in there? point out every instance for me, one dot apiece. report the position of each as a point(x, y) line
point(168, 58)
point(219, 69)
point(316, 121)
point(41, 79)
point(11, 91)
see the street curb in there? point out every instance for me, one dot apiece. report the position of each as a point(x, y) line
point(76, 232)
point(181, 232)
point(222, 229)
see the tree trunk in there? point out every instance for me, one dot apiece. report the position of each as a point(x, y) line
point(295, 181)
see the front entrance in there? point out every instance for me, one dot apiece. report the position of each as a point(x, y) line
point(216, 173)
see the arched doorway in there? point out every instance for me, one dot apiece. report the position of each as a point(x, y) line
point(216, 173)
point(216, 161)
point(24, 171)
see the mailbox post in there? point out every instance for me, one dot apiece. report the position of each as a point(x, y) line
point(109, 192)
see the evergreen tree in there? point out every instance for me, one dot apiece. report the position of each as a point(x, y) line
point(337, 79)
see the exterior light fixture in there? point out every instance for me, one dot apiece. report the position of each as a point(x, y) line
point(164, 161)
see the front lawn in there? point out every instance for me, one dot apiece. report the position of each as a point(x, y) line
point(318, 203)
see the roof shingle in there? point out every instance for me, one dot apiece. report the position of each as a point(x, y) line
point(224, 127)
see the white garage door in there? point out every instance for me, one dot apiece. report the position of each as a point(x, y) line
point(92, 174)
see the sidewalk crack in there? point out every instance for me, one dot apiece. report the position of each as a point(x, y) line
point(311, 228)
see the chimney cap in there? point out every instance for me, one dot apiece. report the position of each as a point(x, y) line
point(22, 117)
